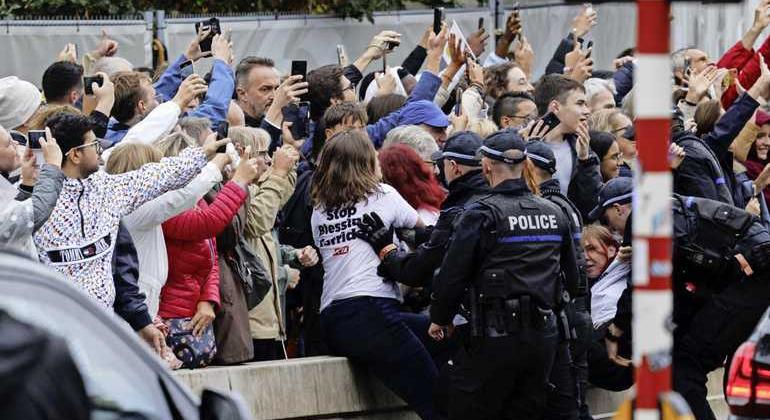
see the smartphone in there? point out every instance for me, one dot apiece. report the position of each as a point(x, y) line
point(341, 55)
point(33, 143)
point(550, 120)
point(299, 67)
point(589, 9)
point(438, 18)
point(458, 101)
point(481, 23)
point(517, 13)
point(222, 131)
point(88, 81)
point(384, 64)
point(212, 23)
point(299, 115)
point(33, 138)
point(186, 69)
point(588, 48)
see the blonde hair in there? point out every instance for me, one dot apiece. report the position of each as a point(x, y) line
point(173, 144)
point(601, 234)
point(604, 120)
point(347, 171)
point(482, 126)
point(257, 138)
point(131, 156)
point(37, 122)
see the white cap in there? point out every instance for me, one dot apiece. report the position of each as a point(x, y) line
point(19, 100)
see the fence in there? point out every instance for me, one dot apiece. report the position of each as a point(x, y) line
point(28, 46)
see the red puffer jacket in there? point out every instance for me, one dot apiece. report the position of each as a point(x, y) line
point(193, 271)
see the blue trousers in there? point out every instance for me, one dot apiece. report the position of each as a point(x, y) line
point(373, 332)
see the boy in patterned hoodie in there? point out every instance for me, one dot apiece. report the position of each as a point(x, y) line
point(79, 237)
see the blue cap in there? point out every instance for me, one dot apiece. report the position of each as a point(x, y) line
point(423, 112)
point(461, 147)
point(541, 155)
point(502, 141)
point(616, 191)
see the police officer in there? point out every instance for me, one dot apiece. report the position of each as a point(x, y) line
point(569, 375)
point(459, 169)
point(508, 252)
point(721, 289)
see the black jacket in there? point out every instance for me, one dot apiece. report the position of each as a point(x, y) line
point(476, 240)
point(707, 169)
point(129, 300)
point(556, 65)
point(416, 268)
point(585, 181)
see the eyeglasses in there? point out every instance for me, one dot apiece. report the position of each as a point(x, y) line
point(95, 143)
point(618, 157)
point(349, 87)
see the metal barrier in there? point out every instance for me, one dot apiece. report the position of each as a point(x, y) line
point(28, 46)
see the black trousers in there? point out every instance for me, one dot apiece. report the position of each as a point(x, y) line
point(708, 332)
point(503, 377)
point(579, 352)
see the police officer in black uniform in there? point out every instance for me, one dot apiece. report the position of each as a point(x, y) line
point(569, 375)
point(459, 169)
point(507, 255)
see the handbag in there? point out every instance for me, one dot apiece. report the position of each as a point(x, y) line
point(193, 351)
point(252, 274)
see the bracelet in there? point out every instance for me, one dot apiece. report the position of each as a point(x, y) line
point(387, 250)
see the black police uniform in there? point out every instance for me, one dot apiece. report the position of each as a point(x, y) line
point(569, 375)
point(716, 303)
point(569, 395)
point(417, 268)
point(508, 252)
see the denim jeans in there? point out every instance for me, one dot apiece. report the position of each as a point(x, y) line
point(373, 332)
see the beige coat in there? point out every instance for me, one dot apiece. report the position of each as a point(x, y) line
point(267, 197)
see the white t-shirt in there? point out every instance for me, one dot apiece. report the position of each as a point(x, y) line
point(563, 154)
point(350, 264)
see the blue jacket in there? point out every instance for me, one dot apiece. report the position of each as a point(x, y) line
point(218, 96)
point(129, 300)
point(425, 89)
point(624, 81)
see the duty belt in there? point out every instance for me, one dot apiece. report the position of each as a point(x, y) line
point(509, 316)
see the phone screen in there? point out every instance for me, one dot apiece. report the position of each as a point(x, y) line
point(33, 138)
point(299, 115)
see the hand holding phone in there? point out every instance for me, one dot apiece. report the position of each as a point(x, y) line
point(214, 29)
point(88, 82)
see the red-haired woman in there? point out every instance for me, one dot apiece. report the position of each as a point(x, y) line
point(403, 169)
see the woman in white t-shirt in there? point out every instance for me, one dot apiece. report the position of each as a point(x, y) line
point(360, 316)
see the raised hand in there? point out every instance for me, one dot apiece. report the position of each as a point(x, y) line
point(584, 21)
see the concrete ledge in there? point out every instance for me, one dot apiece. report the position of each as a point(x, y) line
point(331, 387)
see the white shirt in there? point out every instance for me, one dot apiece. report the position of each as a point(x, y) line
point(144, 225)
point(606, 292)
point(350, 264)
point(563, 153)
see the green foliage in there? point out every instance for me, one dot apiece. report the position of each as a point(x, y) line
point(355, 9)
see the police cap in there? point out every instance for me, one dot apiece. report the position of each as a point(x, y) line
point(460, 147)
point(616, 191)
point(541, 156)
point(497, 144)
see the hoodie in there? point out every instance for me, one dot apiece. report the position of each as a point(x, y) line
point(78, 239)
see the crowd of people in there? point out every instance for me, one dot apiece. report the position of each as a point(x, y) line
point(455, 226)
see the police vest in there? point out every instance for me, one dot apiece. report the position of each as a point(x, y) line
point(699, 151)
point(708, 235)
point(576, 227)
point(523, 251)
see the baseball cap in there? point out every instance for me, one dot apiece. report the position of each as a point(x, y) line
point(461, 147)
point(616, 191)
point(541, 156)
point(423, 112)
point(502, 141)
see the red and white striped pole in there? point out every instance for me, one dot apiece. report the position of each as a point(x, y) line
point(652, 224)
